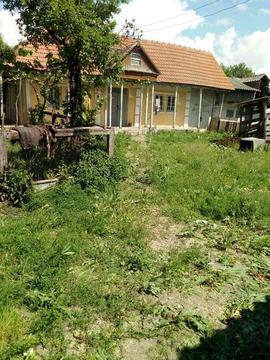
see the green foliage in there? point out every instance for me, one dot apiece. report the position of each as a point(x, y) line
point(82, 278)
point(240, 70)
point(83, 32)
point(200, 180)
point(97, 170)
point(15, 187)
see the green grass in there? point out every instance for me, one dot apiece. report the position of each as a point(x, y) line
point(78, 274)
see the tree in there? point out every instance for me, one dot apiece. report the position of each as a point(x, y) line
point(82, 30)
point(239, 70)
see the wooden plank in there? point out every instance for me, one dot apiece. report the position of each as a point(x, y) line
point(110, 144)
point(3, 152)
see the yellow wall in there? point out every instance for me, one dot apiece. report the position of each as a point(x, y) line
point(163, 118)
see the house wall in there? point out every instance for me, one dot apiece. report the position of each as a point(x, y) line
point(162, 118)
point(208, 101)
point(187, 106)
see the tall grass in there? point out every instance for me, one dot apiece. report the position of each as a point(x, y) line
point(200, 180)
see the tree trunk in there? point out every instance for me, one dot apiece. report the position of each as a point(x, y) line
point(75, 92)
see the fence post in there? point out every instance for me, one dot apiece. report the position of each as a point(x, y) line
point(3, 152)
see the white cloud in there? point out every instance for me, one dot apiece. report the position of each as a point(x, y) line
point(242, 7)
point(203, 43)
point(9, 28)
point(264, 11)
point(251, 49)
point(152, 11)
point(223, 22)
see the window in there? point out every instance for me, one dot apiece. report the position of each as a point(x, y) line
point(171, 103)
point(238, 113)
point(159, 103)
point(54, 97)
point(136, 59)
point(229, 113)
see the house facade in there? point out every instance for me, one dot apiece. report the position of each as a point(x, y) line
point(163, 86)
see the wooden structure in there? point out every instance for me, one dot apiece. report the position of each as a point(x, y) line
point(255, 119)
point(60, 133)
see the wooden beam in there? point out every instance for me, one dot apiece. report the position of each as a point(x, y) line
point(175, 107)
point(222, 105)
point(1, 103)
point(3, 152)
point(147, 106)
point(152, 106)
point(121, 106)
point(141, 108)
point(200, 108)
point(110, 108)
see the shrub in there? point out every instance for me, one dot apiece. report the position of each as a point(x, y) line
point(97, 170)
point(15, 187)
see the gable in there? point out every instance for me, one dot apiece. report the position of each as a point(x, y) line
point(137, 60)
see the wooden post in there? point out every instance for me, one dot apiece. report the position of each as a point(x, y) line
point(110, 109)
point(221, 106)
point(1, 103)
point(110, 143)
point(141, 108)
point(106, 110)
point(146, 107)
point(264, 113)
point(175, 107)
point(3, 152)
point(152, 107)
point(121, 106)
point(200, 109)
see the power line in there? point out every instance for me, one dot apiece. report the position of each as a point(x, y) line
point(181, 14)
point(203, 16)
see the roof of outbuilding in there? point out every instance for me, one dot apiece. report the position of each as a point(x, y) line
point(239, 85)
point(176, 64)
point(253, 78)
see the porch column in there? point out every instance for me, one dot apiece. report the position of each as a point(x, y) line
point(146, 107)
point(121, 106)
point(200, 108)
point(110, 107)
point(175, 107)
point(106, 112)
point(221, 106)
point(141, 108)
point(152, 108)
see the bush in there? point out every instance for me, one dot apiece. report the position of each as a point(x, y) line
point(15, 187)
point(97, 170)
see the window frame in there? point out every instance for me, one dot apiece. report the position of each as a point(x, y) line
point(171, 103)
point(161, 97)
point(54, 97)
point(136, 59)
point(233, 113)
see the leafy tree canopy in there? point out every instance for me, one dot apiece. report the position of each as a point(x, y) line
point(239, 70)
point(83, 32)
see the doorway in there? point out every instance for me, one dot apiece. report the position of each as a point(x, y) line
point(116, 107)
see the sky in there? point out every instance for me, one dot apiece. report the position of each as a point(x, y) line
point(239, 34)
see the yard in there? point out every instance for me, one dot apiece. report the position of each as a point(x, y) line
point(172, 262)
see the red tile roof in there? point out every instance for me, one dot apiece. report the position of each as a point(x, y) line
point(176, 64)
point(182, 65)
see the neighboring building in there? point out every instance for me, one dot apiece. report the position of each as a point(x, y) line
point(229, 111)
point(260, 82)
point(164, 86)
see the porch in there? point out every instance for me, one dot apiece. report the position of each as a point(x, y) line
point(136, 107)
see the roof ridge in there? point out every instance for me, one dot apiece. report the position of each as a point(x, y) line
point(174, 44)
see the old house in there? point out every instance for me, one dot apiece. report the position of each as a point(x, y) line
point(163, 85)
point(230, 108)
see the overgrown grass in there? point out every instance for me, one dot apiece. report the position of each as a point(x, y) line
point(78, 275)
